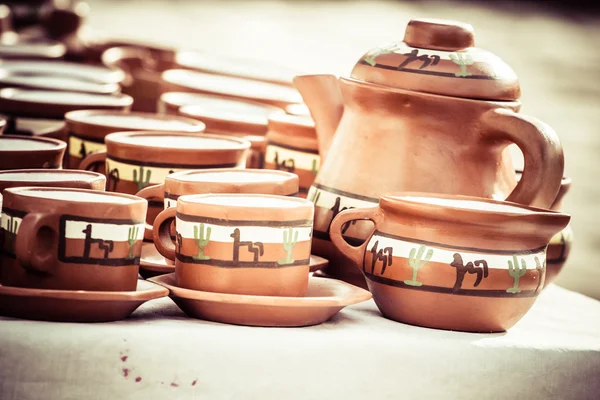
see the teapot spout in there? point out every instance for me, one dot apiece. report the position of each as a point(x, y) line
point(323, 97)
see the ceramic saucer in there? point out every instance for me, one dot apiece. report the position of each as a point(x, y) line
point(75, 305)
point(324, 299)
point(152, 263)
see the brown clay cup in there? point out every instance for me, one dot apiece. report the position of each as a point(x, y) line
point(71, 239)
point(246, 244)
point(452, 262)
point(219, 180)
point(87, 129)
point(292, 146)
point(52, 178)
point(23, 152)
point(135, 160)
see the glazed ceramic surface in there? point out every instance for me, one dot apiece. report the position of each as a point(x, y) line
point(292, 146)
point(324, 298)
point(452, 262)
point(83, 72)
point(429, 114)
point(71, 239)
point(22, 152)
point(238, 243)
point(52, 178)
point(234, 117)
point(237, 88)
point(76, 305)
point(88, 128)
point(50, 82)
point(54, 104)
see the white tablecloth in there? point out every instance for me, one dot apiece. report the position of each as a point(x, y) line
point(159, 353)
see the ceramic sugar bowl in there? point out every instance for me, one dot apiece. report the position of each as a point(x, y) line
point(452, 262)
point(430, 113)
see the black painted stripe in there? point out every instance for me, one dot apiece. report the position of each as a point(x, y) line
point(11, 212)
point(286, 146)
point(109, 262)
point(325, 236)
point(241, 264)
point(154, 203)
point(112, 221)
point(452, 247)
point(346, 194)
point(169, 166)
point(301, 223)
point(86, 138)
point(448, 290)
point(425, 72)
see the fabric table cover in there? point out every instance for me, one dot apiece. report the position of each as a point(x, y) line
point(158, 352)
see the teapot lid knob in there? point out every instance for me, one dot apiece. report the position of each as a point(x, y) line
point(439, 34)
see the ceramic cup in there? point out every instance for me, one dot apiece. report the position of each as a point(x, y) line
point(452, 262)
point(71, 239)
point(22, 152)
point(134, 160)
point(238, 243)
point(52, 178)
point(223, 180)
point(87, 129)
point(292, 146)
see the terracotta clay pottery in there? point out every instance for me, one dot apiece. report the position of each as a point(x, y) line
point(76, 305)
point(238, 243)
point(324, 299)
point(22, 152)
point(452, 262)
point(54, 82)
point(561, 243)
point(38, 127)
point(237, 118)
point(152, 263)
point(82, 72)
point(53, 104)
point(298, 109)
point(71, 239)
point(180, 80)
point(37, 49)
point(237, 67)
point(143, 67)
point(52, 178)
point(219, 180)
point(292, 146)
point(88, 128)
point(431, 113)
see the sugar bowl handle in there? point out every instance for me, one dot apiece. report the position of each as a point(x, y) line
point(161, 231)
point(30, 251)
point(355, 253)
point(543, 154)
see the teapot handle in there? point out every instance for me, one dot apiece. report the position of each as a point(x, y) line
point(355, 253)
point(543, 154)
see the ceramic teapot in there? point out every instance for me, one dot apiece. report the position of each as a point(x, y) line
point(432, 113)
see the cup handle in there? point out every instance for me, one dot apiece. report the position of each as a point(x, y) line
point(355, 253)
point(542, 151)
point(151, 192)
point(161, 232)
point(31, 253)
point(92, 160)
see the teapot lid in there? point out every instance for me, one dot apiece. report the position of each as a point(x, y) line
point(439, 57)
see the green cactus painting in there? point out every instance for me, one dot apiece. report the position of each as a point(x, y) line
point(416, 262)
point(516, 273)
point(462, 60)
point(313, 168)
point(132, 238)
point(288, 246)
point(139, 180)
point(201, 241)
point(540, 268)
point(385, 49)
point(12, 227)
point(315, 197)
